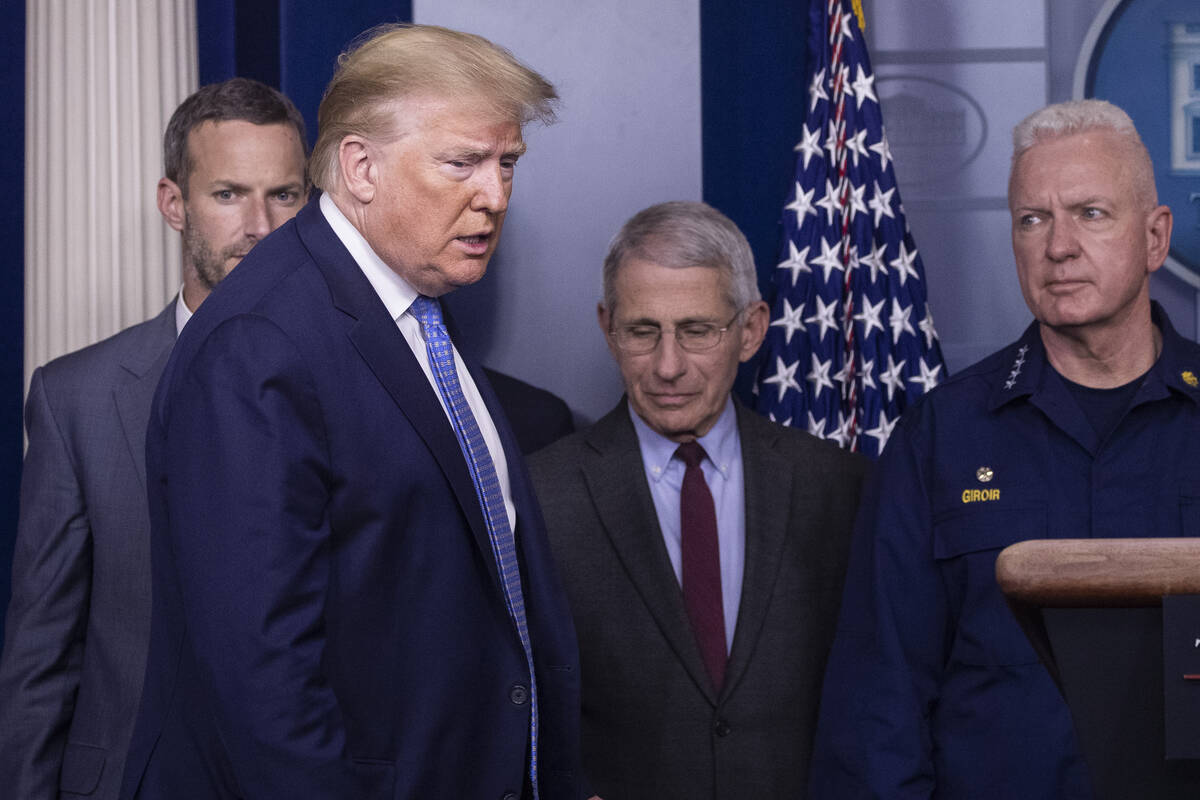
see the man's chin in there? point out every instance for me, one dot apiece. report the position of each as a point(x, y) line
point(673, 422)
point(436, 283)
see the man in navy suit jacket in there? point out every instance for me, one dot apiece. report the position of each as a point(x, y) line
point(329, 617)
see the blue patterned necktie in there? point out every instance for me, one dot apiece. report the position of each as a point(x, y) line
point(428, 312)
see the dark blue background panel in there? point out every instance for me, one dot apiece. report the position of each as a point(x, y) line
point(292, 45)
point(12, 281)
point(752, 108)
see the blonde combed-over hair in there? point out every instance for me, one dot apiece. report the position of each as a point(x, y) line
point(392, 62)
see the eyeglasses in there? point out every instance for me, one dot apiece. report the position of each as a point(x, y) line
point(694, 337)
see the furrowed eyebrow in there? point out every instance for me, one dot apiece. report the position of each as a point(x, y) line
point(479, 154)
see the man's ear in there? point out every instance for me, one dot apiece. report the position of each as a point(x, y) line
point(755, 320)
point(356, 165)
point(170, 203)
point(1158, 237)
point(604, 319)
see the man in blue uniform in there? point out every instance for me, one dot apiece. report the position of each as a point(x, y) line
point(1087, 426)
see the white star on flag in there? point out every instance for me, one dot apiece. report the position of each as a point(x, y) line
point(830, 201)
point(857, 146)
point(819, 375)
point(809, 145)
point(874, 260)
point(880, 203)
point(883, 430)
point(803, 204)
point(926, 326)
point(891, 376)
point(784, 377)
point(928, 377)
point(816, 427)
point(885, 152)
point(824, 317)
point(856, 202)
point(843, 433)
point(831, 141)
point(864, 87)
point(843, 374)
point(870, 316)
point(829, 260)
point(899, 320)
point(904, 264)
point(797, 262)
point(790, 321)
point(867, 374)
point(816, 92)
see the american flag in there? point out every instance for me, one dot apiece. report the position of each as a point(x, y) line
point(851, 342)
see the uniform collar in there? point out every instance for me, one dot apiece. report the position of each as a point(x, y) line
point(1177, 368)
point(1024, 362)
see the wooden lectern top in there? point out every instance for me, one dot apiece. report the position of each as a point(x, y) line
point(1079, 573)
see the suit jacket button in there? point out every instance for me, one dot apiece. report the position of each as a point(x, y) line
point(518, 694)
point(722, 728)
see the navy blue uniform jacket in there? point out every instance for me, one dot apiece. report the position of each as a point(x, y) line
point(931, 689)
point(327, 620)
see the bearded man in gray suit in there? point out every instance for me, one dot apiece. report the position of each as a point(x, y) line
point(704, 582)
point(78, 623)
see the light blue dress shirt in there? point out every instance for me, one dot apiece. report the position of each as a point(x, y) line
point(723, 473)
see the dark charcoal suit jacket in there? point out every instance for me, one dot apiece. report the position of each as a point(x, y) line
point(653, 727)
point(538, 417)
point(75, 647)
point(327, 620)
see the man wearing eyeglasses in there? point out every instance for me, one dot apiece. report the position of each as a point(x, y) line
point(702, 547)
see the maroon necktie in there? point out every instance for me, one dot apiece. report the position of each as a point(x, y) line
point(701, 563)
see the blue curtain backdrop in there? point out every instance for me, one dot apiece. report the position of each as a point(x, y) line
point(12, 279)
point(753, 103)
point(292, 45)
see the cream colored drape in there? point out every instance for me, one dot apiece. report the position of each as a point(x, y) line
point(102, 78)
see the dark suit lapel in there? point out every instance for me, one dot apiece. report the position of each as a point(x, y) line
point(375, 336)
point(769, 492)
point(616, 479)
point(143, 363)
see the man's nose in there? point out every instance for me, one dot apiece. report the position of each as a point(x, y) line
point(1063, 240)
point(670, 360)
point(256, 220)
point(491, 189)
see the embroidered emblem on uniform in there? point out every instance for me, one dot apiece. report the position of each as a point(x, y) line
point(1189, 378)
point(984, 474)
point(1016, 369)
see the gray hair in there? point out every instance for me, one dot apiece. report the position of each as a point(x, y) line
point(684, 234)
point(1082, 116)
point(392, 62)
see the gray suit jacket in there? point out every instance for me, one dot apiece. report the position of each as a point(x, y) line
point(653, 727)
point(78, 623)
